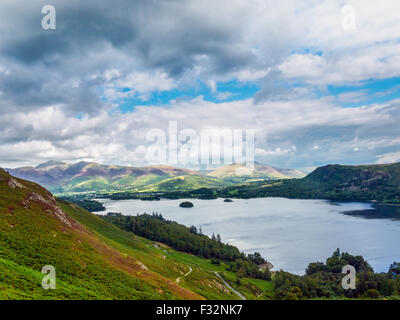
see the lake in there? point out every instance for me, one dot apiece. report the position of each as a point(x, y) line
point(287, 232)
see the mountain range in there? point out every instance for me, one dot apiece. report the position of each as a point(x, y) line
point(62, 177)
point(380, 182)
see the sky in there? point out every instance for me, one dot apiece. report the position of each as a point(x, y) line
point(317, 81)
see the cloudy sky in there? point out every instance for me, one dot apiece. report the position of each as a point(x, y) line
point(315, 85)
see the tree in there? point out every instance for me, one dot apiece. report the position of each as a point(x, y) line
point(394, 269)
point(294, 293)
point(241, 273)
point(315, 267)
point(256, 258)
point(193, 229)
point(182, 238)
point(373, 294)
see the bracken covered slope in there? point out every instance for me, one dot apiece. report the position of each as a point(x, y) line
point(36, 230)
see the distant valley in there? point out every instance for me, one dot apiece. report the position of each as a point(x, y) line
point(379, 183)
point(84, 177)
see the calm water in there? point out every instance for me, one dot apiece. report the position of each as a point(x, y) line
point(289, 233)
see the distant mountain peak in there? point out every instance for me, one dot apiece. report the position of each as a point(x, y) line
point(50, 163)
point(259, 170)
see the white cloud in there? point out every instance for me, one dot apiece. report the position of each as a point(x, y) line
point(303, 65)
point(379, 61)
point(212, 85)
point(353, 96)
point(371, 51)
point(224, 95)
point(389, 157)
point(251, 75)
point(4, 70)
point(275, 152)
point(140, 84)
point(375, 23)
point(284, 131)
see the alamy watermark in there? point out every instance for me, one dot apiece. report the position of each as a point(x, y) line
point(49, 20)
point(208, 146)
point(49, 280)
point(349, 21)
point(349, 280)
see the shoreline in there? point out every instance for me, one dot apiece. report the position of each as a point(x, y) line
point(232, 197)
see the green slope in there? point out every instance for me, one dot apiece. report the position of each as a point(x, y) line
point(35, 232)
point(168, 262)
point(359, 177)
point(337, 182)
point(184, 183)
point(93, 258)
point(61, 177)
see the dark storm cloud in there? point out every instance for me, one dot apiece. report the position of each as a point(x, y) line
point(80, 25)
point(30, 87)
point(161, 33)
point(93, 36)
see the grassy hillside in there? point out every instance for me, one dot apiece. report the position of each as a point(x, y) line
point(93, 258)
point(362, 177)
point(364, 183)
point(184, 183)
point(61, 177)
point(36, 231)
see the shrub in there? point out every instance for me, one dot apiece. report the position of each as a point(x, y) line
point(373, 294)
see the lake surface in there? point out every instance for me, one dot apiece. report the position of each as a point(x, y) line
point(289, 233)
